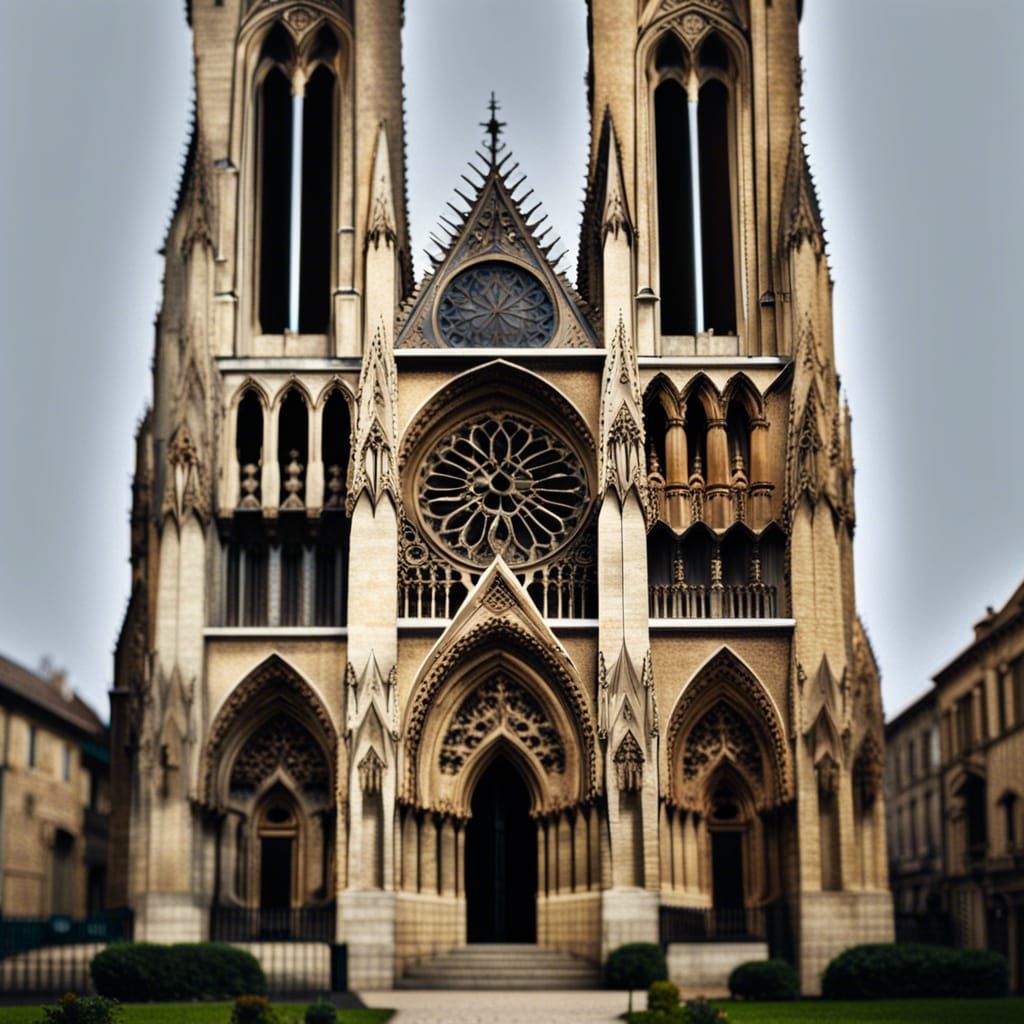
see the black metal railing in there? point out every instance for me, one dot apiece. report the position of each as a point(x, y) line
point(255, 924)
point(711, 924)
point(50, 955)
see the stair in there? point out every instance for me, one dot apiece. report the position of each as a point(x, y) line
point(502, 966)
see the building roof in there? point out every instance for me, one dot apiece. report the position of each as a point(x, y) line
point(50, 696)
point(989, 629)
point(923, 703)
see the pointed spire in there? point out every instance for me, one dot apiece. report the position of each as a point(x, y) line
point(381, 225)
point(615, 216)
point(493, 127)
point(373, 468)
point(622, 420)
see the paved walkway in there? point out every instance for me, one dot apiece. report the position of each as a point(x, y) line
point(459, 1007)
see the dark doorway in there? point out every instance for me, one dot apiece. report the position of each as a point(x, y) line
point(501, 860)
point(275, 873)
point(727, 870)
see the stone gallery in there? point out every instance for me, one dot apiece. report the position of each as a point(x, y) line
point(482, 607)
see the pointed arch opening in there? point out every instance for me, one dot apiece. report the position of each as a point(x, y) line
point(501, 856)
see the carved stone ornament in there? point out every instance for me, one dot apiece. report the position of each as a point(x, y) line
point(629, 765)
point(381, 223)
point(185, 490)
point(722, 733)
point(623, 466)
point(280, 743)
point(371, 772)
point(726, 672)
point(869, 769)
point(692, 27)
point(373, 455)
point(496, 304)
point(502, 485)
point(501, 703)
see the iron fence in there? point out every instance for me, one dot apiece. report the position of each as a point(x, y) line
point(711, 924)
point(255, 924)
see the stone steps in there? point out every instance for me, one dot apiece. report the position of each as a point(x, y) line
point(502, 967)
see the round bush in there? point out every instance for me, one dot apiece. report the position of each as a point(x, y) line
point(663, 996)
point(635, 965)
point(912, 971)
point(321, 1012)
point(139, 972)
point(252, 1010)
point(764, 979)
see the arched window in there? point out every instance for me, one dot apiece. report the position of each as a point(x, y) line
point(697, 436)
point(737, 425)
point(293, 449)
point(295, 156)
point(249, 449)
point(694, 169)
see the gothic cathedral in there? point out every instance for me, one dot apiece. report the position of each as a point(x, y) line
point(483, 607)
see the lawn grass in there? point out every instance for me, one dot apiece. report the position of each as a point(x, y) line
point(196, 1013)
point(890, 1011)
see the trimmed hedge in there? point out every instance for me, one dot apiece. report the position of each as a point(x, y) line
point(141, 972)
point(637, 965)
point(764, 979)
point(912, 971)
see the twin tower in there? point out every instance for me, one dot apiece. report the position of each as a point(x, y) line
point(483, 607)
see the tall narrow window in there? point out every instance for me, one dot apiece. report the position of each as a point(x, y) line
point(716, 208)
point(295, 155)
point(694, 183)
point(675, 214)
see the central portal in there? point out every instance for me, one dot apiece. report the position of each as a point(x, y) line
point(501, 859)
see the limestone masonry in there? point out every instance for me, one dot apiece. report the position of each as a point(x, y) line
point(483, 607)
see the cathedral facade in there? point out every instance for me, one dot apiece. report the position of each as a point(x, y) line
point(487, 607)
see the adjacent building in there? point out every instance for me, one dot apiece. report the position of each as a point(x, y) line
point(979, 699)
point(486, 607)
point(913, 808)
point(54, 797)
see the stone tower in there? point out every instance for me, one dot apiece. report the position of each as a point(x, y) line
point(487, 609)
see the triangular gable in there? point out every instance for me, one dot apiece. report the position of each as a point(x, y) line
point(494, 229)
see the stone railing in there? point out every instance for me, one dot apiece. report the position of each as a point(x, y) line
point(721, 601)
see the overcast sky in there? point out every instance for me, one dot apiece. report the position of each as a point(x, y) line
point(915, 126)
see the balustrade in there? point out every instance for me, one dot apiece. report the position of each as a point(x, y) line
point(722, 601)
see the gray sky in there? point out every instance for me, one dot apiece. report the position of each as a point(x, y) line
point(914, 124)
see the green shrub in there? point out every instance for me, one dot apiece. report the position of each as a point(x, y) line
point(252, 1010)
point(72, 1009)
point(634, 966)
point(321, 1012)
point(138, 972)
point(662, 995)
point(700, 1011)
point(912, 971)
point(764, 979)
point(676, 1016)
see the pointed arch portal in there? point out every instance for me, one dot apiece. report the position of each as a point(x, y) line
point(501, 858)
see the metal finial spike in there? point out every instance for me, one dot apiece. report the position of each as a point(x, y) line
point(493, 127)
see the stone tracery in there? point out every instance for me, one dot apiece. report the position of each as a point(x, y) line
point(501, 484)
point(721, 733)
point(280, 743)
point(498, 703)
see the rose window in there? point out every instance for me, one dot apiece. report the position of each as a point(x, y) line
point(502, 485)
point(496, 305)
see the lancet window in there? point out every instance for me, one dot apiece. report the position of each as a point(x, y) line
point(295, 153)
point(695, 169)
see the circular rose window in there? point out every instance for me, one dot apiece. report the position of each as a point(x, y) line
point(496, 305)
point(500, 484)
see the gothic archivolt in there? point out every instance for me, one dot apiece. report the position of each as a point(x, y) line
point(243, 732)
point(498, 676)
point(725, 717)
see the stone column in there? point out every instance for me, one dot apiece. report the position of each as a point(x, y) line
point(760, 483)
point(580, 851)
point(677, 493)
point(718, 475)
point(315, 468)
point(410, 852)
point(270, 474)
point(448, 857)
